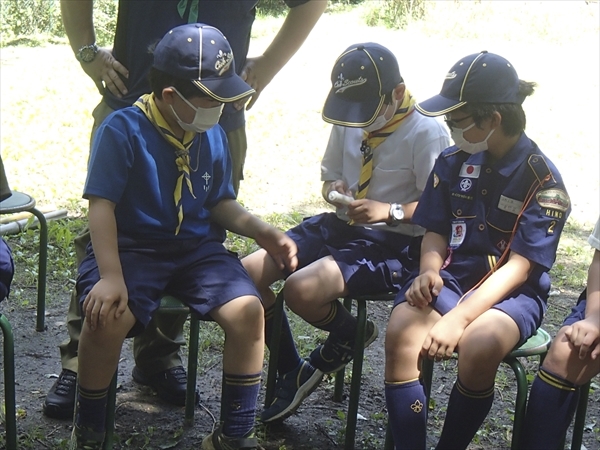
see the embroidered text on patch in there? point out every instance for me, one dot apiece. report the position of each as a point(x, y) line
point(554, 199)
point(342, 84)
point(224, 60)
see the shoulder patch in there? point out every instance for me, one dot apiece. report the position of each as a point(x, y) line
point(556, 199)
point(436, 180)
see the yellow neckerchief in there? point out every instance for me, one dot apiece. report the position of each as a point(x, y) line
point(372, 140)
point(147, 104)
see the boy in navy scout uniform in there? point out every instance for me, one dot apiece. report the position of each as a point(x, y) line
point(494, 208)
point(572, 361)
point(380, 153)
point(160, 193)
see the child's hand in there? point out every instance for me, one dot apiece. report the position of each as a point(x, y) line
point(421, 291)
point(585, 334)
point(443, 338)
point(368, 211)
point(107, 295)
point(338, 186)
point(280, 247)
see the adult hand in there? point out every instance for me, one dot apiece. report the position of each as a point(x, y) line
point(442, 339)
point(106, 296)
point(258, 73)
point(280, 247)
point(585, 334)
point(104, 71)
point(421, 291)
point(368, 211)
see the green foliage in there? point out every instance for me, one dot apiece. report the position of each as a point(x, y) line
point(277, 8)
point(395, 14)
point(34, 22)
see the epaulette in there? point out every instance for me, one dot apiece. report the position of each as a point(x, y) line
point(540, 168)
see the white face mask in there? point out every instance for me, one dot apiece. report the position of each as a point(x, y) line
point(204, 118)
point(381, 121)
point(466, 146)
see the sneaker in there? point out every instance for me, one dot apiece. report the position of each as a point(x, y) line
point(60, 400)
point(291, 389)
point(170, 384)
point(334, 354)
point(86, 439)
point(218, 441)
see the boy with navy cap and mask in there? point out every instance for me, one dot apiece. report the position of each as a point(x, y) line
point(379, 154)
point(160, 193)
point(494, 208)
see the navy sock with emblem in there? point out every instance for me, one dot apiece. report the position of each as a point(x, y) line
point(466, 412)
point(288, 358)
point(91, 409)
point(338, 321)
point(550, 408)
point(407, 410)
point(238, 403)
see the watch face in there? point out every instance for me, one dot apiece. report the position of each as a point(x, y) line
point(87, 53)
point(398, 213)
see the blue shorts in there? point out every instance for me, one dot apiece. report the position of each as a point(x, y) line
point(578, 311)
point(524, 305)
point(371, 260)
point(201, 273)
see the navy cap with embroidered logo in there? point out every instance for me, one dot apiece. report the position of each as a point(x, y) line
point(361, 78)
point(478, 78)
point(200, 53)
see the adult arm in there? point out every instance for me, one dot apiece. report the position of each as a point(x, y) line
point(232, 216)
point(109, 294)
point(78, 20)
point(300, 20)
point(585, 334)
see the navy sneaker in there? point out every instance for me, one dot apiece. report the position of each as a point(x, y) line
point(291, 389)
point(170, 384)
point(334, 354)
point(218, 441)
point(60, 401)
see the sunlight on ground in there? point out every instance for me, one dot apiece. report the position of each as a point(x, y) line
point(46, 107)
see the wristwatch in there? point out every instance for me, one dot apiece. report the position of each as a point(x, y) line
point(87, 53)
point(396, 214)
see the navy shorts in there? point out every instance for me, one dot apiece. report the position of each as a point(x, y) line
point(578, 311)
point(524, 305)
point(201, 273)
point(371, 260)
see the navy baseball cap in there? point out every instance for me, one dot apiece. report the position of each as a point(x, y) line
point(201, 53)
point(478, 78)
point(361, 78)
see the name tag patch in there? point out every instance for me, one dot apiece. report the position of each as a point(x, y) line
point(510, 205)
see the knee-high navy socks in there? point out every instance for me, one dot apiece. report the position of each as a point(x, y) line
point(289, 358)
point(407, 410)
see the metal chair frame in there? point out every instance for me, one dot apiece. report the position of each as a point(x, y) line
point(9, 382)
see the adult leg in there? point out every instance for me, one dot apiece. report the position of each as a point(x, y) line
point(482, 347)
point(405, 394)
point(238, 146)
point(555, 393)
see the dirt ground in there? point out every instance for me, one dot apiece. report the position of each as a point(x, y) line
point(146, 422)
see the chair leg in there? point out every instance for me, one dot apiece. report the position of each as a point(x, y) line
point(389, 440)
point(190, 390)
point(9, 383)
point(357, 365)
point(274, 348)
point(579, 424)
point(42, 270)
point(110, 414)
point(338, 389)
point(521, 401)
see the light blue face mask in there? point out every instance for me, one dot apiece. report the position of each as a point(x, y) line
point(466, 146)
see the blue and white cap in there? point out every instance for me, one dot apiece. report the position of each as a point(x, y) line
point(201, 53)
point(478, 78)
point(361, 78)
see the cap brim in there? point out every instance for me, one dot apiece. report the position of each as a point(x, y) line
point(225, 89)
point(437, 106)
point(340, 111)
